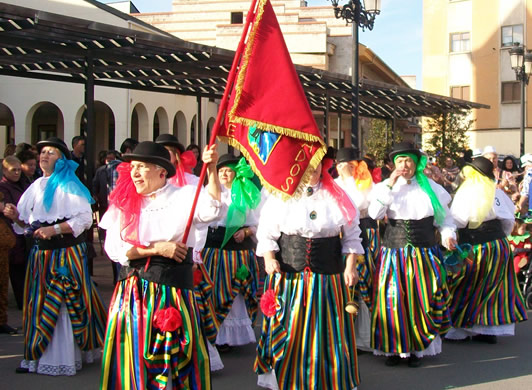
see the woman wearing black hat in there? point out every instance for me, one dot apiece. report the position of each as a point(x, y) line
point(355, 179)
point(410, 305)
point(154, 339)
point(229, 254)
point(486, 299)
point(63, 313)
point(184, 161)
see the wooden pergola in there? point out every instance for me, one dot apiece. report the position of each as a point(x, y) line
point(42, 45)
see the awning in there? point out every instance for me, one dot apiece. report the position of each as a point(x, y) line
point(42, 45)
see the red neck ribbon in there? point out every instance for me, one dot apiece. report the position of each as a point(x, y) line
point(342, 199)
point(129, 202)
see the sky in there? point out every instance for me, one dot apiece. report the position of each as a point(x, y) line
point(396, 36)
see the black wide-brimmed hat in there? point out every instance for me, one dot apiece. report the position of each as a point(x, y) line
point(153, 153)
point(167, 140)
point(346, 155)
point(484, 166)
point(56, 143)
point(227, 159)
point(404, 148)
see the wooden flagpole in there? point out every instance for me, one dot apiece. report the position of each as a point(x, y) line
point(221, 111)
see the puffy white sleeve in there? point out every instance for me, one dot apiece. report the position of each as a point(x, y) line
point(351, 240)
point(269, 231)
point(207, 210)
point(114, 246)
point(80, 223)
point(448, 227)
point(380, 198)
point(505, 210)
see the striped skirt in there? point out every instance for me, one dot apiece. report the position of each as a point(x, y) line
point(310, 342)
point(366, 269)
point(138, 355)
point(203, 292)
point(486, 291)
point(232, 272)
point(411, 300)
point(53, 277)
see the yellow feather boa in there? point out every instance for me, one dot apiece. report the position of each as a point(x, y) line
point(480, 188)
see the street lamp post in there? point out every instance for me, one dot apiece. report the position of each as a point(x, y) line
point(522, 65)
point(359, 14)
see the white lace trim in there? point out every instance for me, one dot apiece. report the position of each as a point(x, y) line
point(236, 328)
point(462, 333)
point(64, 206)
point(433, 349)
point(363, 328)
point(62, 369)
point(214, 357)
point(268, 380)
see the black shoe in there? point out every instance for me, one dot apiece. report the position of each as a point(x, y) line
point(22, 370)
point(414, 361)
point(7, 329)
point(224, 348)
point(486, 338)
point(393, 360)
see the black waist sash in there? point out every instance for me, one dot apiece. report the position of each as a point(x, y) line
point(215, 238)
point(321, 255)
point(60, 240)
point(162, 270)
point(487, 231)
point(419, 233)
point(365, 224)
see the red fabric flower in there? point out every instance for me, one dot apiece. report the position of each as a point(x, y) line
point(268, 303)
point(198, 277)
point(168, 320)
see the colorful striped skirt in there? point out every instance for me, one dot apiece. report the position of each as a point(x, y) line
point(310, 342)
point(366, 269)
point(55, 276)
point(232, 272)
point(411, 299)
point(486, 291)
point(138, 354)
point(203, 289)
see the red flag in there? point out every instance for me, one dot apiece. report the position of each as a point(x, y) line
point(268, 118)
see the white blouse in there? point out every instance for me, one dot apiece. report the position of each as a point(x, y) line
point(163, 217)
point(407, 201)
point(74, 208)
point(252, 215)
point(360, 198)
point(503, 209)
point(294, 217)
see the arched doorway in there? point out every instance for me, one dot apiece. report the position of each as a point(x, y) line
point(104, 126)
point(160, 122)
point(7, 127)
point(139, 123)
point(46, 120)
point(210, 125)
point(179, 127)
point(195, 134)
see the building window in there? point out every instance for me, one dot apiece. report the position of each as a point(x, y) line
point(511, 92)
point(237, 17)
point(511, 35)
point(460, 42)
point(461, 92)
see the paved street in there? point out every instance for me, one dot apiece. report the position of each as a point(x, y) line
point(507, 365)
